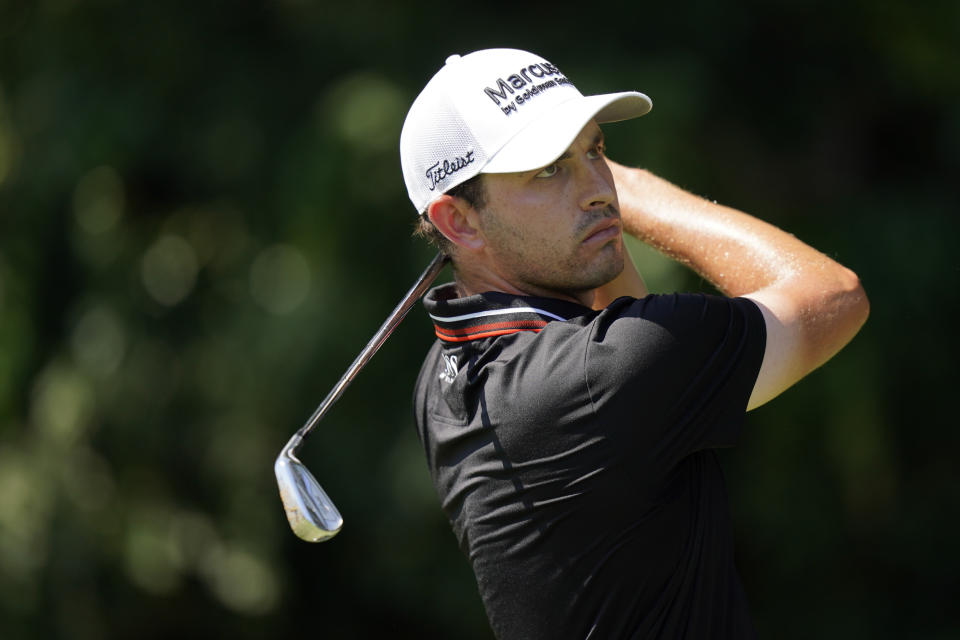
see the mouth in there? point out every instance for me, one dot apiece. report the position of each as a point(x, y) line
point(602, 232)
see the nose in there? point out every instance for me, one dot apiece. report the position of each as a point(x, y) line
point(596, 190)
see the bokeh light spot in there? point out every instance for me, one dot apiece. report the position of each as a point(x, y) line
point(63, 401)
point(193, 537)
point(367, 110)
point(87, 480)
point(98, 200)
point(242, 581)
point(169, 270)
point(149, 556)
point(99, 341)
point(25, 506)
point(279, 279)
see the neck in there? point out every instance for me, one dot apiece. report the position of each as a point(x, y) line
point(471, 281)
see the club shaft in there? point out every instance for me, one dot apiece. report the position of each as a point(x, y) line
point(391, 323)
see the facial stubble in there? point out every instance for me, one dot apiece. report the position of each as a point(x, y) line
point(536, 264)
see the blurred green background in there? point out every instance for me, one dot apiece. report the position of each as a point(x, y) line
point(202, 221)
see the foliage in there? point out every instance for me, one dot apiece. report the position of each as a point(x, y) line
point(202, 220)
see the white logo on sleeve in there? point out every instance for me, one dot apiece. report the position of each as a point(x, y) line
point(450, 369)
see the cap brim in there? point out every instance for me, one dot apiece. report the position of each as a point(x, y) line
point(545, 139)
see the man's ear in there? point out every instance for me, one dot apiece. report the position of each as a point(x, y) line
point(456, 220)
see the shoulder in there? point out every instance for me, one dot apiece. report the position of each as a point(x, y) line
point(691, 318)
point(673, 336)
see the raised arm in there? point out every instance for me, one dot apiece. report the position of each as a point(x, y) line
point(812, 305)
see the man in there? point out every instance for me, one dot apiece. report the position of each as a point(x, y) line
point(568, 417)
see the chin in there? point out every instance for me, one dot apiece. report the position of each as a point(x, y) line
point(609, 268)
point(589, 279)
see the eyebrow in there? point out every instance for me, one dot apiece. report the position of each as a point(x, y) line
point(597, 140)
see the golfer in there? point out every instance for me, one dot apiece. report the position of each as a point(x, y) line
point(570, 418)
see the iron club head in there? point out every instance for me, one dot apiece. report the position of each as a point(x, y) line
point(310, 511)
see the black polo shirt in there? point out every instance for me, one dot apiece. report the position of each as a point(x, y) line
point(572, 451)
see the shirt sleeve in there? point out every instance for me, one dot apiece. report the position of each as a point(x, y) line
point(677, 369)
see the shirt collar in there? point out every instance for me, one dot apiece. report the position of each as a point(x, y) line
point(492, 313)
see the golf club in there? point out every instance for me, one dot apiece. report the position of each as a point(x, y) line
point(310, 511)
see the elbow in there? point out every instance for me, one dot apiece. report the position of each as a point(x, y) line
point(856, 303)
point(841, 315)
point(863, 306)
point(838, 317)
point(836, 323)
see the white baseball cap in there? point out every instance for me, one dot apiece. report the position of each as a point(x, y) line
point(497, 111)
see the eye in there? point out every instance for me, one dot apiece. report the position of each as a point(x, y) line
point(548, 172)
point(596, 152)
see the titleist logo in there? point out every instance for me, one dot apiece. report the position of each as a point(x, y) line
point(442, 169)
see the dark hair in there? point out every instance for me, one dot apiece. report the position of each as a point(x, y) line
point(473, 191)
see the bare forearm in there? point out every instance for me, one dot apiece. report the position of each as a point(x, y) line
point(734, 251)
point(812, 304)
